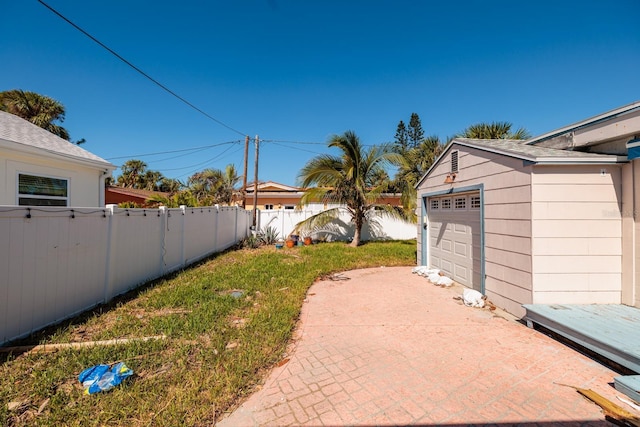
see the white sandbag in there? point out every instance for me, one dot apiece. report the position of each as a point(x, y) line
point(424, 271)
point(433, 278)
point(420, 270)
point(472, 298)
point(444, 281)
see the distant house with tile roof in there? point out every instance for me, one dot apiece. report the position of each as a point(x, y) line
point(38, 168)
point(273, 195)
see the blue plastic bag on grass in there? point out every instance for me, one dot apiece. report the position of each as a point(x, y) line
point(103, 377)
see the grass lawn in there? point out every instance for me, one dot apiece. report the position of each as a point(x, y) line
point(227, 321)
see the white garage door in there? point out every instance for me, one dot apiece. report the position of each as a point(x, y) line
point(454, 237)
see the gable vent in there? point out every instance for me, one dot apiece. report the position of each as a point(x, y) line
point(454, 162)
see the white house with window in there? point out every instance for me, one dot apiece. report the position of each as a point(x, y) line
point(37, 168)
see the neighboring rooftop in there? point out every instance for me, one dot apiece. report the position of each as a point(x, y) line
point(600, 119)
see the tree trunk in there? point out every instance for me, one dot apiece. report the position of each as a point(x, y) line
point(358, 221)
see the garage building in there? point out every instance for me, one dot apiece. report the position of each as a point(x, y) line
point(551, 220)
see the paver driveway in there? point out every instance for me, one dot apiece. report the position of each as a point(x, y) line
point(388, 348)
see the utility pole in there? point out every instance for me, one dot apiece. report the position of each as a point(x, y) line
point(255, 185)
point(244, 175)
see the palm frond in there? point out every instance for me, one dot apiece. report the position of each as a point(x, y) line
point(317, 222)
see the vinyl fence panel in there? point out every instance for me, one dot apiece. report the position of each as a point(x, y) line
point(53, 266)
point(200, 232)
point(57, 262)
point(135, 250)
point(174, 240)
point(379, 228)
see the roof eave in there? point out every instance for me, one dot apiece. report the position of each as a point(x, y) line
point(583, 123)
point(16, 146)
point(605, 160)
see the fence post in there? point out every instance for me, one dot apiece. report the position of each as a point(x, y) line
point(183, 249)
point(111, 252)
point(215, 228)
point(162, 210)
point(235, 227)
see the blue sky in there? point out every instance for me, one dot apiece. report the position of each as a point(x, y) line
point(296, 72)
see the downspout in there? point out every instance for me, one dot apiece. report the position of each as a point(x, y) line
point(102, 189)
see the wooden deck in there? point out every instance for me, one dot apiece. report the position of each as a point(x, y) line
point(611, 331)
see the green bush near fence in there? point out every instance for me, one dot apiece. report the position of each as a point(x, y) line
point(227, 321)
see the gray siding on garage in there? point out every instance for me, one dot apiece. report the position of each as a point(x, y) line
point(507, 219)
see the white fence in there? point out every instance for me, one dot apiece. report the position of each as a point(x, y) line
point(58, 262)
point(380, 228)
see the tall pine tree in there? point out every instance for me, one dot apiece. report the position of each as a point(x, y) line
point(415, 133)
point(401, 140)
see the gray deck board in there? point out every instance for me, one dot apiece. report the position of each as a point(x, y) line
point(629, 385)
point(611, 330)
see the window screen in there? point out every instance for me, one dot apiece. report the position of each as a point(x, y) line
point(34, 190)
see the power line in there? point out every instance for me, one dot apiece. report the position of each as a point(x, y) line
point(310, 143)
point(294, 142)
point(157, 153)
point(216, 157)
point(114, 53)
point(294, 148)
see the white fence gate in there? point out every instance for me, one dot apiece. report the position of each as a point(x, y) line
point(58, 262)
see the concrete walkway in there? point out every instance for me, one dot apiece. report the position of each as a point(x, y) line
point(389, 348)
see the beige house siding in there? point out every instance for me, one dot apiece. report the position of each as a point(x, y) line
point(507, 225)
point(85, 184)
point(631, 233)
point(577, 234)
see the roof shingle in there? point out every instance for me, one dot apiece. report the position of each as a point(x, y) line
point(16, 129)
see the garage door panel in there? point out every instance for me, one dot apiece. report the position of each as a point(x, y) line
point(455, 243)
point(461, 249)
point(461, 228)
point(460, 273)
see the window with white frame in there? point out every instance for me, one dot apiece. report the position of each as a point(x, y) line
point(474, 202)
point(289, 207)
point(446, 203)
point(36, 190)
point(460, 203)
point(267, 207)
point(435, 204)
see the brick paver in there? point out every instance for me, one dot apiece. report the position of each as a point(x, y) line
point(388, 348)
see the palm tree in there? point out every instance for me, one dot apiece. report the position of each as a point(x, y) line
point(351, 179)
point(213, 186)
point(40, 110)
point(494, 130)
point(412, 165)
point(170, 185)
point(203, 185)
point(150, 180)
point(132, 174)
point(182, 197)
point(227, 191)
